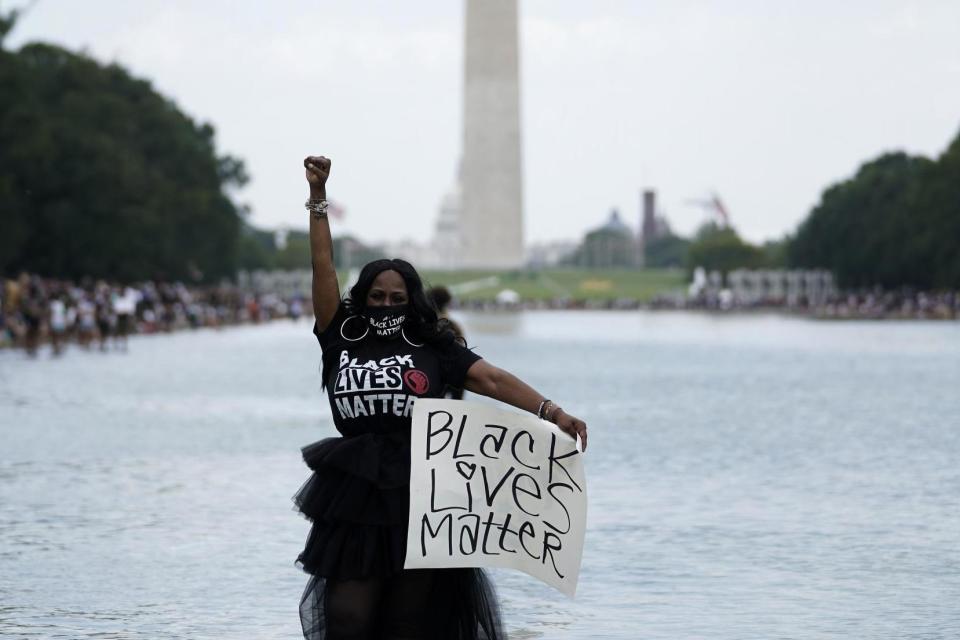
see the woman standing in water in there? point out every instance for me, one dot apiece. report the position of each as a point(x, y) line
point(384, 346)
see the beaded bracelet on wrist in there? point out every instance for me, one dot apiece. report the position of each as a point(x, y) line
point(543, 403)
point(317, 207)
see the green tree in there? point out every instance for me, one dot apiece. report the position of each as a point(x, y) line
point(879, 227)
point(934, 246)
point(666, 251)
point(349, 252)
point(257, 249)
point(102, 176)
point(296, 253)
point(721, 249)
point(775, 253)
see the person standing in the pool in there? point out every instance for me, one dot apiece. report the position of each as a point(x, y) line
point(125, 308)
point(33, 310)
point(57, 321)
point(104, 313)
point(383, 347)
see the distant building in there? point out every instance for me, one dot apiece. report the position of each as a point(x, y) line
point(419, 255)
point(348, 252)
point(444, 250)
point(648, 212)
point(653, 225)
point(550, 254)
point(615, 225)
point(612, 244)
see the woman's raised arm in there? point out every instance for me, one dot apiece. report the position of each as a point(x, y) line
point(326, 289)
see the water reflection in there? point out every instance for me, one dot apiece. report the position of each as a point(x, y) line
point(494, 323)
point(749, 476)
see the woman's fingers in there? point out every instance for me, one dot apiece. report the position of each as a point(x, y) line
point(321, 162)
point(579, 428)
point(319, 165)
point(318, 169)
point(574, 427)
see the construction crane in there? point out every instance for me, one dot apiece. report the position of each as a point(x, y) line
point(713, 206)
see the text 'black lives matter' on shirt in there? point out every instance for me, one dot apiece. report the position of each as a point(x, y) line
point(373, 382)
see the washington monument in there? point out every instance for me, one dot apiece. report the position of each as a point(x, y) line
point(491, 224)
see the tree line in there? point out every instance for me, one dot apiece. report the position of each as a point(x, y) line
point(102, 176)
point(894, 224)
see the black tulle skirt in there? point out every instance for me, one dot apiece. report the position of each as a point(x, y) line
point(358, 499)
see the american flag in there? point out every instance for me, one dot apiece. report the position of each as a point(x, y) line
point(336, 209)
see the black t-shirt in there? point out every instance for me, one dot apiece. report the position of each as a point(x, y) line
point(373, 381)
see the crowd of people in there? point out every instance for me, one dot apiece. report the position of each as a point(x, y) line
point(869, 304)
point(853, 305)
point(904, 305)
point(96, 313)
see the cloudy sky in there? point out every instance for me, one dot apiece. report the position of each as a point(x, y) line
point(764, 102)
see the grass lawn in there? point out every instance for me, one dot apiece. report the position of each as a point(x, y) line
point(545, 284)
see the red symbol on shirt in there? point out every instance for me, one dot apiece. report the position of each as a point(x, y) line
point(417, 381)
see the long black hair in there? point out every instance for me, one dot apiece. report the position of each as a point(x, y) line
point(422, 325)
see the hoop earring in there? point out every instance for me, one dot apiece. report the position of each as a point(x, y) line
point(412, 344)
point(344, 336)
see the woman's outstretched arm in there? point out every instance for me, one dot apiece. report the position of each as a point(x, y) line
point(494, 382)
point(326, 289)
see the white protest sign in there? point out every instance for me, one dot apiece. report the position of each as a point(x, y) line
point(493, 488)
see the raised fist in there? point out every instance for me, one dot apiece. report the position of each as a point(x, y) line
point(318, 170)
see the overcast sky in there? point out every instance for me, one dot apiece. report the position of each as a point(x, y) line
point(765, 102)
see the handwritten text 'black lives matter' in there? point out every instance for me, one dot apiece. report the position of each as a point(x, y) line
point(502, 478)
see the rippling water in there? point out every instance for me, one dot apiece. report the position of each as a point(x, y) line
point(750, 477)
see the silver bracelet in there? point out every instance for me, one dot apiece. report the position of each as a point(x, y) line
point(317, 206)
point(540, 408)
